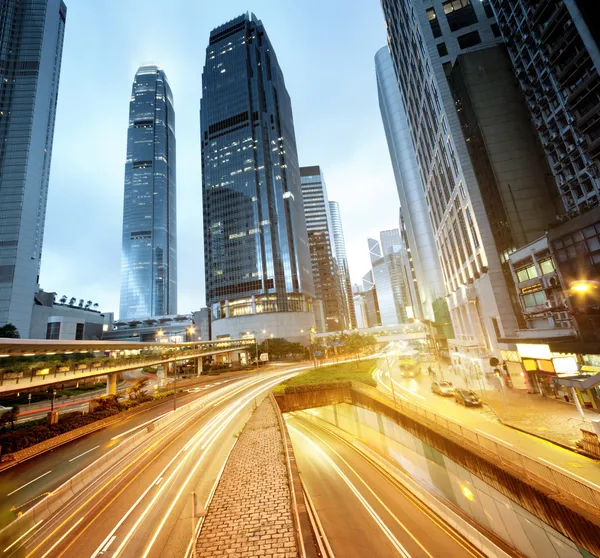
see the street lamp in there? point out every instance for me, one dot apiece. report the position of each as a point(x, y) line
point(583, 286)
point(160, 333)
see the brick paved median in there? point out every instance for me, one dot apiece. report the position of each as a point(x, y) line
point(250, 514)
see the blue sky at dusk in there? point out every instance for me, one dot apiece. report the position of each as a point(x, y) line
point(326, 50)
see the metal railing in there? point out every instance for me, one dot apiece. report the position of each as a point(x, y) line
point(38, 376)
point(563, 483)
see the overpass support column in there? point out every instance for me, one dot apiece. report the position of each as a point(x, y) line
point(111, 383)
point(161, 373)
point(199, 369)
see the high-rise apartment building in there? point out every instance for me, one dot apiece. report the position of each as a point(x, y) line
point(325, 274)
point(31, 42)
point(341, 259)
point(257, 257)
point(420, 239)
point(553, 46)
point(149, 249)
point(477, 218)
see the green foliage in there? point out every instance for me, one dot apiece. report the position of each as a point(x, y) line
point(279, 348)
point(330, 376)
point(9, 331)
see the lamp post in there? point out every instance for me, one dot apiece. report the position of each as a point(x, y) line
point(190, 331)
point(312, 345)
point(175, 394)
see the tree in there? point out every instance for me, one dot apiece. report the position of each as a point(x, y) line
point(63, 299)
point(9, 331)
point(137, 388)
point(72, 301)
point(10, 416)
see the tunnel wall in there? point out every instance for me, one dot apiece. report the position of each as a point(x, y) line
point(450, 480)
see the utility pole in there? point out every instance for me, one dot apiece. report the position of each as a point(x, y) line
point(175, 395)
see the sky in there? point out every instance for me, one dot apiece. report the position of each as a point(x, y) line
point(326, 49)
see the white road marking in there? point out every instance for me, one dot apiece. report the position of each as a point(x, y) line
point(27, 484)
point(451, 418)
point(81, 455)
point(109, 543)
point(495, 438)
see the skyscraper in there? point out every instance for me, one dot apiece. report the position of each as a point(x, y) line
point(149, 249)
point(413, 206)
point(478, 218)
point(387, 261)
point(341, 259)
point(324, 266)
point(554, 49)
point(31, 42)
point(256, 251)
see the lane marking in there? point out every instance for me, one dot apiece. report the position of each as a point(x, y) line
point(569, 472)
point(495, 438)
point(81, 455)
point(380, 523)
point(109, 543)
point(62, 538)
point(20, 487)
point(139, 426)
point(22, 536)
point(158, 481)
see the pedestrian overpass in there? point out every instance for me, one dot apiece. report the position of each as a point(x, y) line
point(410, 332)
point(106, 358)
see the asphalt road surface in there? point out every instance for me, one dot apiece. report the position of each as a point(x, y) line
point(141, 506)
point(363, 512)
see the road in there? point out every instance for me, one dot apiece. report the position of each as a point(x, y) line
point(363, 512)
point(22, 485)
point(141, 506)
point(482, 421)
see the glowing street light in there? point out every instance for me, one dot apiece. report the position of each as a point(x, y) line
point(583, 286)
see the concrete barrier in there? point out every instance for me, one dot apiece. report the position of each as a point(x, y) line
point(65, 493)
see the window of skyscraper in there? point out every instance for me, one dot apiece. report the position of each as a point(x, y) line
point(488, 8)
point(459, 13)
point(442, 49)
point(469, 39)
point(435, 24)
point(495, 29)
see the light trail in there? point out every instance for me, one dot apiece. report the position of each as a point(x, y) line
point(140, 426)
point(22, 536)
point(120, 471)
point(380, 523)
point(62, 538)
point(27, 484)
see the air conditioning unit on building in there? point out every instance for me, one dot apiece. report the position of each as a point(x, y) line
point(551, 281)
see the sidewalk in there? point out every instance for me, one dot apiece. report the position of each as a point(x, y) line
point(545, 417)
point(251, 514)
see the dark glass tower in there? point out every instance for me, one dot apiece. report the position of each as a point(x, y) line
point(149, 253)
point(31, 42)
point(257, 258)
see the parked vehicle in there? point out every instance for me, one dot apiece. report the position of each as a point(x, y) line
point(3, 409)
point(443, 388)
point(467, 397)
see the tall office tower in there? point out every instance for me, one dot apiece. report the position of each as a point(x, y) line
point(369, 305)
point(31, 42)
point(320, 240)
point(413, 206)
point(149, 249)
point(553, 46)
point(387, 262)
point(257, 257)
point(477, 218)
point(342, 264)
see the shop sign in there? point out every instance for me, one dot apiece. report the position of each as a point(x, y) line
point(531, 289)
point(534, 350)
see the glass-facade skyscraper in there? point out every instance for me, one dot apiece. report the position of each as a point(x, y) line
point(31, 42)
point(341, 258)
point(320, 239)
point(149, 249)
point(257, 258)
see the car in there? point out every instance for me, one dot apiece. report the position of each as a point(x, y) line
point(443, 388)
point(467, 397)
point(4, 409)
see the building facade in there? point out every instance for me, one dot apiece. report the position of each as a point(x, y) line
point(31, 42)
point(472, 214)
point(256, 251)
point(149, 248)
point(326, 277)
point(341, 259)
point(389, 275)
point(553, 46)
point(420, 239)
